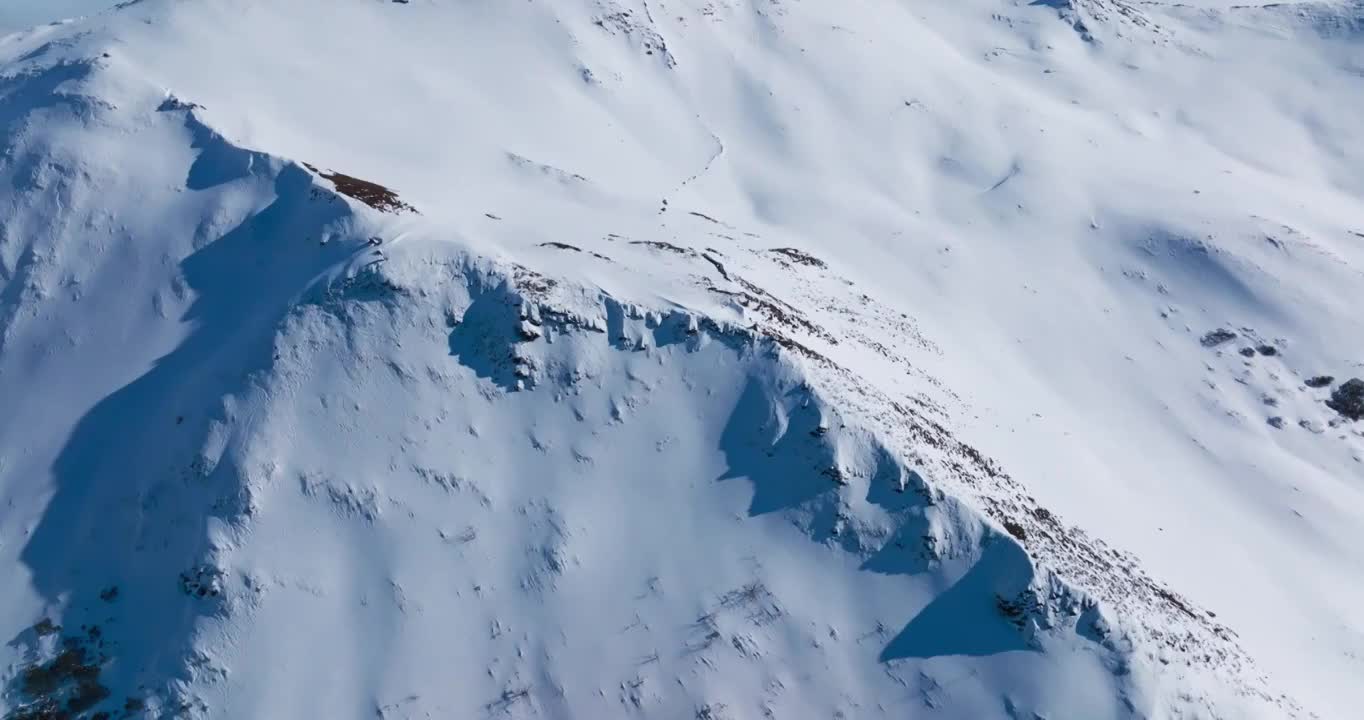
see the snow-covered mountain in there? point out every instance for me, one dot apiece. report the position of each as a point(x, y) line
point(683, 359)
point(21, 14)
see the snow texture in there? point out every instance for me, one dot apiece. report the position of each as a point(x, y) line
point(683, 358)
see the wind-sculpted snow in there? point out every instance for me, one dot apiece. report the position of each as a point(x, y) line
point(680, 359)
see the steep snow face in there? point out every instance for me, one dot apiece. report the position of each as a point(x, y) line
point(650, 529)
point(593, 358)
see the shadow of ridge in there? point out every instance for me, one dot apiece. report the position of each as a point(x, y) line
point(485, 335)
point(780, 451)
point(138, 479)
point(966, 619)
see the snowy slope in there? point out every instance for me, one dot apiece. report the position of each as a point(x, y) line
point(19, 15)
point(715, 359)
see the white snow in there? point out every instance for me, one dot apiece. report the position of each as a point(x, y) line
point(719, 359)
point(17, 15)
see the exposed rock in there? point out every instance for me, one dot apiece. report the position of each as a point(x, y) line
point(1276, 422)
point(1348, 399)
point(201, 581)
point(798, 256)
point(527, 330)
point(1217, 337)
point(65, 684)
point(372, 194)
point(1319, 381)
point(1016, 530)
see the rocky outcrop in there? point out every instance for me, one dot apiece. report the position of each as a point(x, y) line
point(1348, 399)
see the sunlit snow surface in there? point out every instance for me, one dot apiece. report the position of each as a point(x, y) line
point(18, 15)
point(723, 359)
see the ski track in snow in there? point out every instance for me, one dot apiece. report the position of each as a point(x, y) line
point(715, 359)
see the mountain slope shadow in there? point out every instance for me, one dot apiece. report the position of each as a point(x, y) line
point(122, 545)
point(966, 619)
point(779, 451)
point(484, 336)
point(779, 444)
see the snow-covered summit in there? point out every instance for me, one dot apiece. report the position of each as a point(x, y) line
point(717, 359)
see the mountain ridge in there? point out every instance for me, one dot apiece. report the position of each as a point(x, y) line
point(768, 296)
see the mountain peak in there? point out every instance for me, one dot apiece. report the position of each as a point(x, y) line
point(721, 359)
